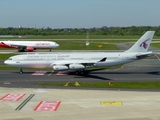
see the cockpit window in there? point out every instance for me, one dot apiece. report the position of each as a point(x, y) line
point(10, 59)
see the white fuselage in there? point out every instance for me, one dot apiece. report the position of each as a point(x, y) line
point(50, 59)
point(35, 44)
point(79, 61)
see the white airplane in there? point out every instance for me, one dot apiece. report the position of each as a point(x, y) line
point(79, 61)
point(28, 45)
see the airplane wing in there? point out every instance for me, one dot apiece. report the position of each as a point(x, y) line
point(142, 55)
point(83, 62)
point(73, 62)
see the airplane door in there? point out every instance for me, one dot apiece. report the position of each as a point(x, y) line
point(121, 56)
point(18, 61)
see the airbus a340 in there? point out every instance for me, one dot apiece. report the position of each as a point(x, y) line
point(79, 61)
point(28, 45)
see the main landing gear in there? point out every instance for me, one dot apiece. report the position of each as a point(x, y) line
point(21, 50)
point(20, 70)
point(80, 72)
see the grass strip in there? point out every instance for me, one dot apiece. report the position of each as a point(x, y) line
point(127, 85)
point(157, 45)
point(80, 46)
point(6, 56)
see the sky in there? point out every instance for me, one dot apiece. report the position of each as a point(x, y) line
point(79, 13)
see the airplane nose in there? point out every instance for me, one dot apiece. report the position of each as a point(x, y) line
point(5, 62)
point(57, 45)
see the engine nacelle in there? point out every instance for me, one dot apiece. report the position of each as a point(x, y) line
point(76, 66)
point(60, 67)
point(30, 48)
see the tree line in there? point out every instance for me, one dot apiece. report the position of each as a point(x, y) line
point(132, 30)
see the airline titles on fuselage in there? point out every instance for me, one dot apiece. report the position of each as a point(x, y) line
point(64, 56)
point(33, 56)
point(42, 44)
point(37, 56)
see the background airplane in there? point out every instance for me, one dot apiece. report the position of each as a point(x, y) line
point(28, 45)
point(79, 61)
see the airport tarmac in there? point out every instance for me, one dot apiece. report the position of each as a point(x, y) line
point(76, 104)
point(22, 99)
point(142, 70)
point(13, 79)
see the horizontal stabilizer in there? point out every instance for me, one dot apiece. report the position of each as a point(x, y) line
point(143, 55)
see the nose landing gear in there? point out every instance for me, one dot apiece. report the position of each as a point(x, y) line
point(20, 70)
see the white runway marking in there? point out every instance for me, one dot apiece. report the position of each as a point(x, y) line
point(39, 73)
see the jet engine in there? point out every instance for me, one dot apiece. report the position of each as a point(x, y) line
point(76, 66)
point(30, 48)
point(60, 67)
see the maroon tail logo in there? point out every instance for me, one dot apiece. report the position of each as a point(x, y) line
point(144, 44)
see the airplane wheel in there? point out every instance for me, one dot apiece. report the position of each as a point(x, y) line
point(20, 70)
point(80, 72)
point(21, 50)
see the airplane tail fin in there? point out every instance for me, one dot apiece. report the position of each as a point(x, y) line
point(143, 43)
